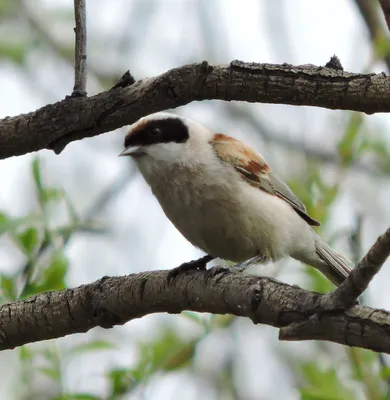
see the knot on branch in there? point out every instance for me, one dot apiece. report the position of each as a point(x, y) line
point(255, 294)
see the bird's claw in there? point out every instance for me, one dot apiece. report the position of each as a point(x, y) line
point(214, 271)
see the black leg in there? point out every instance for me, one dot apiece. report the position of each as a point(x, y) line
point(188, 266)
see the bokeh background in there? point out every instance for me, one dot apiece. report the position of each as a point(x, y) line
point(70, 219)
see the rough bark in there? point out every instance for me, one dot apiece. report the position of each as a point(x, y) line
point(56, 125)
point(117, 300)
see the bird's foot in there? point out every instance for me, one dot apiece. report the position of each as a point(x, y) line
point(244, 265)
point(199, 264)
point(214, 271)
point(218, 270)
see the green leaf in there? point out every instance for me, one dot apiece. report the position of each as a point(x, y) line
point(8, 287)
point(9, 224)
point(4, 8)
point(37, 175)
point(53, 277)
point(323, 384)
point(385, 373)
point(92, 346)
point(5, 222)
point(28, 240)
point(194, 317)
point(15, 52)
point(76, 396)
point(51, 194)
point(381, 45)
point(167, 353)
point(351, 140)
point(71, 210)
point(319, 283)
point(51, 373)
point(80, 396)
point(25, 353)
point(318, 394)
point(121, 381)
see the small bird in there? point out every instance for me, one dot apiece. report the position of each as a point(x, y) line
point(223, 198)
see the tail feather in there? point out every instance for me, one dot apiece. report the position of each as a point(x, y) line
point(336, 268)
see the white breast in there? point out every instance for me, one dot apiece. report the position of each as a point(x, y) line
point(222, 214)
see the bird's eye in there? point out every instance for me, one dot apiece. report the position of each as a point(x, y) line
point(155, 132)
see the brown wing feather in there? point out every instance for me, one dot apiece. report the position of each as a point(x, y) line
point(253, 168)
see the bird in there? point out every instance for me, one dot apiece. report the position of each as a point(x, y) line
point(224, 199)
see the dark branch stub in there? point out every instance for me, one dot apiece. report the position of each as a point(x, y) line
point(334, 63)
point(203, 72)
point(126, 80)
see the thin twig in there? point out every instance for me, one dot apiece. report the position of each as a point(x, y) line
point(80, 68)
point(347, 293)
point(385, 4)
point(368, 10)
point(355, 242)
point(344, 297)
point(37, 23)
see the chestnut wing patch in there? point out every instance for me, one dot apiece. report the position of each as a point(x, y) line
point(253, 168)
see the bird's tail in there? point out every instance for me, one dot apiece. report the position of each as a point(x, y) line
point(333, 265)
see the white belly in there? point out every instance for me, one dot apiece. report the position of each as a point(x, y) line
point(231, 220)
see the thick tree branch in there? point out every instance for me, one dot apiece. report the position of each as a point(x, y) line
point(74, 119)
point(299, 313)
point(80, 66)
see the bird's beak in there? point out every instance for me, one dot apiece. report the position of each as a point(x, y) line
point(132, 151)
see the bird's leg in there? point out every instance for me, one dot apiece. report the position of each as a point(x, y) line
point(199, 264)
point(244, 265)
point(240, 267)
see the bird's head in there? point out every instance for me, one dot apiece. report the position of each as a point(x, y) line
point(165, 137)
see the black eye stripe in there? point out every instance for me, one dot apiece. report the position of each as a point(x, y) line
point(166, 130)
point(155, 131)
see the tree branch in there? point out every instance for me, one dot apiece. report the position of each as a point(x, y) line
point(80, 67)
point(74, 119)
point(346, 295)
point(385, 5)
point(348, 292)
point(370, 15)
point(300, 314)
